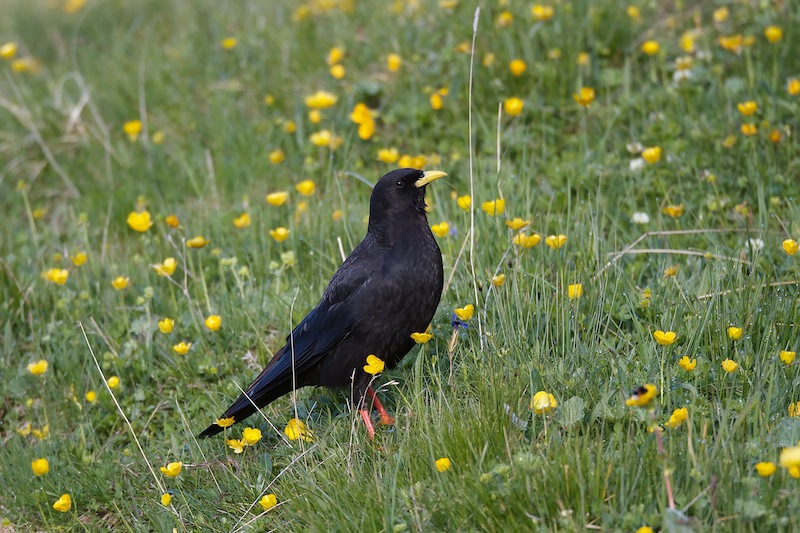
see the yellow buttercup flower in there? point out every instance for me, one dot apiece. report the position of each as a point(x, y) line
point(765, 469)
point(443, 464)
point(721, 14)
point(374, 365)
point(634, 13)
point(652, 154)
point(677, 417)
point(337, 72)
point(729, 365)
point(664, 338)
point(251, 435)
point(517, 67)
point(642, 396)
point(213, 322)
point(325, 139)
point(321, 100)
point(172, 469)
point(361, 113)
point(8, 50)
point(140, 221)
point(747, 108)
point(335, 55)
point(394, 62)
point(513, 106)
point(584, 97)
point(56, 275)
point(166, 499)
point(38, 368)
point(182, 348)
point(224, 422)
point(436, 101)
point(388, 155)
point(172, 221)
point(198, 242)
point(498, 280)
point(242, 221)
point(441, 229)
point(651, 48)
point(542, 13)
point(167, 268)
point(166, 325)
point(237, 445)
point(504, 19)
point(790, 457)
point(466, 312)
point(132, 129)
point(793, 87)
point(674, 211)
point(280, 234)
point(464, 202)
point(79, 259)
point(268, 502)
point(91, 396)
point(422, 337)
point(555, 241)
point(494, 207)
point(517, 223)
point(63, 504)
point(277, 156)
point(277, 198)
point(41, 434)
point(787, 357)
point(574, 291)
point(366, 130)
point(40, 467)
point(687, 364)
point(295, 429)
point(229, 43)
point(120, 282)
point(526, 241)
point(543, 402)
point(749, 129)
point(773, 33)
point(113, 382)
point(790, 246)
point(734, 333)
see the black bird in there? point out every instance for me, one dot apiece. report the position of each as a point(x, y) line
point(386, 290)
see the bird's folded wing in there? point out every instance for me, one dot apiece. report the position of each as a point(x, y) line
point(322, 329)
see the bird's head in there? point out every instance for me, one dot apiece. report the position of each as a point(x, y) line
point(400, 192)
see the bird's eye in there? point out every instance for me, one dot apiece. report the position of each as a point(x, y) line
point(399, 184)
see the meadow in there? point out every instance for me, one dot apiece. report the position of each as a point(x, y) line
point(179, 179)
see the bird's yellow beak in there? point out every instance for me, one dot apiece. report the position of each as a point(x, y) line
point(428, 176)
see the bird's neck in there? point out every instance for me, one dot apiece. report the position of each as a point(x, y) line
point(414, 225)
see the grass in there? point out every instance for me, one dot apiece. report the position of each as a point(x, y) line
point(70, 177)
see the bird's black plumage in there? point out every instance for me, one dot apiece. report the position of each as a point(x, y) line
point(386, 290)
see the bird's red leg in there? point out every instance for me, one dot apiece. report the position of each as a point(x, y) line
point(386, 419)
point(367, 422)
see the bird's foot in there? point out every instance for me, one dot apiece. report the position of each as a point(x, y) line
point(367, 422)
point(386, 420)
